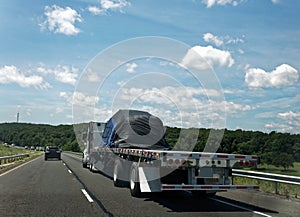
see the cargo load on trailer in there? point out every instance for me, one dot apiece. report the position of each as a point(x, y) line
point(135, 129)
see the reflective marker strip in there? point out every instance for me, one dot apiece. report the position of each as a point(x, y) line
point(88, 197)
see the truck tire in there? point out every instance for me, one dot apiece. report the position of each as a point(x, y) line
point(135, 189)
point(84, 165)
point(117, 178)
point(91, 168)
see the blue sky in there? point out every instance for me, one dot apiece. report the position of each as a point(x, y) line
point(48, 49)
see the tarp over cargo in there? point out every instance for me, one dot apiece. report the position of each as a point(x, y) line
point(135, 129)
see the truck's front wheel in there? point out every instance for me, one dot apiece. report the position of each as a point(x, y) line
point(135, 189)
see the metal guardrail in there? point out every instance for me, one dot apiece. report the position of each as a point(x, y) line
point(9, 159)
point(276, 178)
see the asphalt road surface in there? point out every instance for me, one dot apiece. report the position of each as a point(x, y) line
point(64, 188)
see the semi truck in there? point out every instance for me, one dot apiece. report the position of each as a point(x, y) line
point(132, 149)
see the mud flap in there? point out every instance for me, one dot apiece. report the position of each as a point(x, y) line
point(149, 178)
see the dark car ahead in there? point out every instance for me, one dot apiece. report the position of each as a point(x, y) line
point(52, 152)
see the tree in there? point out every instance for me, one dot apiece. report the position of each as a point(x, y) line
point(283, 160)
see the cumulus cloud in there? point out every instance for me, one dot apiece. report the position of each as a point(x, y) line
point(113, 4)
point(93, 77)
point(11, 74)
point(83, 106)
point(181, 106)
point(203, 58)
point(283, 127)
point(208, 37)
point(108, 5)
point(291, 118)
point(64, 74)
point(131, 67)
point(83, 99)
point(210, 3)
point(288, 121)
point(220, 40)
point(79, 99)
point(61, 20)
point(283, 75)
point(174, 94)
point(95, 10)
point(186, 97)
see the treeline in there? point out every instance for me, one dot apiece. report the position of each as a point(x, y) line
point(279, 149)
point(23, 134)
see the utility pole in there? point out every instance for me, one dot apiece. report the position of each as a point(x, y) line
point(18, 116)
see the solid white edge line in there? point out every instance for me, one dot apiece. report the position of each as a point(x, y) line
point(88, 197)
point(70, 171)
point(244, 208)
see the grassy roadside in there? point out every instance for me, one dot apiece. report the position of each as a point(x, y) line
point(267, 186)
point(8, 151)
point(294, 171)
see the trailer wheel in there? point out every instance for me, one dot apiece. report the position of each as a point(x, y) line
point(91, 168)
point(84, 165)
point(135, 189)
point(118, 168)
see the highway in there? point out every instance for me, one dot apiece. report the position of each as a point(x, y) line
point(64, 188)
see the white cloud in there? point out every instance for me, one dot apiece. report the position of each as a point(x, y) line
point(83, 106)
point(284, 122)
point(61, 20)
point(220, 40)
point(184, 97)
point(11, 74)
point(62, 74)
point(81, 99)
point(210, 3)
point(131, 67)
point(93, 77)
point(278, 127)
point(202, 58)
point(167, 95)
point(289, 115)
point(63, 95)
point(113, 4)
point(208, 37)
point(291, 118)
point(95, 10)
point(283, 75)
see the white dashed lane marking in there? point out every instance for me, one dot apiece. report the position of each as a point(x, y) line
point(88, 197)
point(240, 207)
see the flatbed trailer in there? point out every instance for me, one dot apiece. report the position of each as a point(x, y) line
point(153, 170)
point(156, 170)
